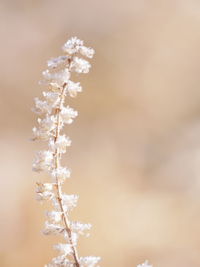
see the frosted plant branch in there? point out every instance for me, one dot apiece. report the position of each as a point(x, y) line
point(54, 116)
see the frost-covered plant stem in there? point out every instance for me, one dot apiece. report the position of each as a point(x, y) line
point(54, 116)
point(58, 185)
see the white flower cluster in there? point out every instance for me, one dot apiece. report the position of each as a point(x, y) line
point(53, 117)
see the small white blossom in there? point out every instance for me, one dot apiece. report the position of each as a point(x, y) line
point(43, 161)
point(60, 174)
point(72, 46)
point(53, 229)
point(68, 114)
point(145, 264)
point(80, 228)
point(55, 62)
point(61, 143)
point(65, 249)
point(73, 88)
point(86, 51)
point(54, 216)
point(80, 65)
point(90, 261)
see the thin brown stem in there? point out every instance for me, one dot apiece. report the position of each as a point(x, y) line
point(58, 185)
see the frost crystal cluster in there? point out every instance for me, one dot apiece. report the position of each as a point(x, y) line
point(54, 115)
point(145, 264)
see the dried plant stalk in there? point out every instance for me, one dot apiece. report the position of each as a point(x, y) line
point(54, 116)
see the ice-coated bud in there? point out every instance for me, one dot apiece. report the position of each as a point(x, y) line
point(53, 229)
point(80, 228)
point(87, 51)
point(41, 187)
point(72, 46)
point(61, 260)
point(60, 77)
point(52, 98)
point(73, 88)
point(54, 216)
point(60, 174)
point(47, 124)
point(61, 143)
point(41, 107)
point(80, 65)
point(46, 195)
point(55, 62)
point(43, 161)
point(68, 114)
point(65, 249)
point(69, 201)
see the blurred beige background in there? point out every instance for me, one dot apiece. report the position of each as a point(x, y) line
point(136, 144)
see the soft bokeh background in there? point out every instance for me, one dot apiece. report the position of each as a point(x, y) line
point(136, 144)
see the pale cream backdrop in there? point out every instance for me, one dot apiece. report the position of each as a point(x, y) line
point(136, 144)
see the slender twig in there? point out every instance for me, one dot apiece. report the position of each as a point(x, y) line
point(55, 116)
point(58, 185)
